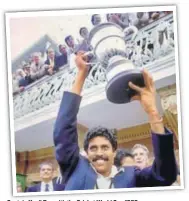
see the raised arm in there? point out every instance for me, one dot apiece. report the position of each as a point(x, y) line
point(164, 170)
point(65, 131)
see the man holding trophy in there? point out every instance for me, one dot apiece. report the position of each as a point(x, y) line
point(97, 170)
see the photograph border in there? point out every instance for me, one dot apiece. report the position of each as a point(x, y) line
point(40, 13)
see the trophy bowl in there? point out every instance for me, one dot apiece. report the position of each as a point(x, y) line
point(109, 45)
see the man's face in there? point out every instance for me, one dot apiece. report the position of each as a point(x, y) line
point(127, 161)
point(51, 53)
point(36, 59)
point(140, 157)
point(27, 70)
point(46, 172)
point(70, 41)
point(62, 49)
point(101, 155)
point(84, 33)
point(19, 189)
point(97, 19)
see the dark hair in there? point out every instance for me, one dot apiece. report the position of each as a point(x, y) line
point(82, 29)
point(121, 154)
point(92, 18)
point(109, 134)
point(67, 38)
point(61, 46)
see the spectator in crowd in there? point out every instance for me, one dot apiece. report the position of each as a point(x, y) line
point(154, 15)
point(84, 45)
point(19, 187)
point(22, 77)
point(63, 58)
point(26, 69)
point(124, 158)
point(38, 69)
point(157, 14)
point(139, 19)
point(141, 156)
point(73, 49)
point(95, 19)
point(15, 85)
point(100, 144)
point(52, 61)
point(167, 12)
point(120, 19)
point(84, 33)
point(46, 184)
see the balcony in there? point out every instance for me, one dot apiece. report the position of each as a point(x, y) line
point(36, 108)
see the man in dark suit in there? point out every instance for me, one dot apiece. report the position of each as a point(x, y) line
point(97, 170)
point(63, 58)
point(53, 61)
point(47, 183)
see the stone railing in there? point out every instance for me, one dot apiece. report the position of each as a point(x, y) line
point(152, 43)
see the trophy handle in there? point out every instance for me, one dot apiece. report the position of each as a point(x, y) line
point(90, 55)
point(134, 29)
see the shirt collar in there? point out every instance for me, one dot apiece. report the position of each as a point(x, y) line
point(43, 183)
point(114, 171)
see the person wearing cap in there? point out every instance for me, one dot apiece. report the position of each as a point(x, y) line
point(97, 170)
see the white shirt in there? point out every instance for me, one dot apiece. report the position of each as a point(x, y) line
point(106, 182)
point(43, 186)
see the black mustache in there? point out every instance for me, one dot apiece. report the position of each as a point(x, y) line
point(100, 158)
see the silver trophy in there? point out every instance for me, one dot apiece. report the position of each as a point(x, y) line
point(109, 48)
